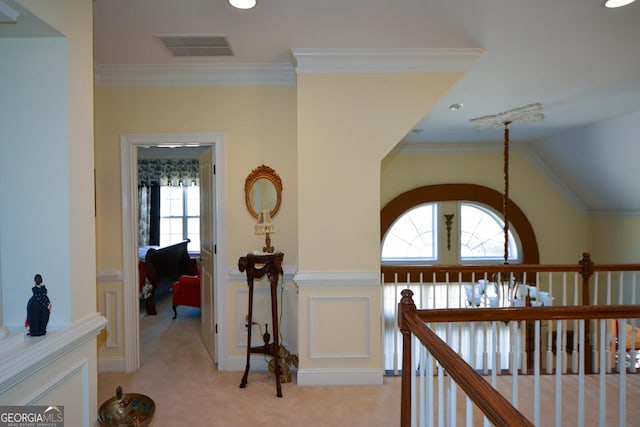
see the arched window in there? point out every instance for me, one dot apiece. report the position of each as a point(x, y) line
point(413, 236)
point(482, 235)
point(414, 231)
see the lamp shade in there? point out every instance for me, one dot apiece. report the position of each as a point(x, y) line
point(243, 4)
point(264, 224)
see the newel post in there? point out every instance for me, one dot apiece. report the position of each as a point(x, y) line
point(587, 272)
point(405, 305)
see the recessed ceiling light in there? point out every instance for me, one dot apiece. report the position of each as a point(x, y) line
point(243, 4)
point(617, 3)
point(455, 107)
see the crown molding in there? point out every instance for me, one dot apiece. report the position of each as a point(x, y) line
point(256, 74)
point(347, 61)
point(456, 147)
point(368, 61)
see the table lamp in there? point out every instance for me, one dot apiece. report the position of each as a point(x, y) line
point(265, 226)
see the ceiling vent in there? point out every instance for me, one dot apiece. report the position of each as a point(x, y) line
point(197, 45)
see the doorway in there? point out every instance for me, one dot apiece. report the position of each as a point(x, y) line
point(129, 145)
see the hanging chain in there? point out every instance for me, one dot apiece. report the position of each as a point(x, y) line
point(505, 196)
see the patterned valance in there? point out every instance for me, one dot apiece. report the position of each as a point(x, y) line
point(168, 172)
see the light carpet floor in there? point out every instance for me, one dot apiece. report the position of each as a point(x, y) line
point(179, 375)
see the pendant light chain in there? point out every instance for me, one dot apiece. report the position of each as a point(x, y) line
point(505, 196)
point(526, 114)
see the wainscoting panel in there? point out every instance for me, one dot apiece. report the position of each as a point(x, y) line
point(73, 382)
point(111, 345)
point(58, 369)
point(339, 327)
point(261, 315)
point(111, 306)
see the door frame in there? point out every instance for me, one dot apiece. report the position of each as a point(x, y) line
point(129, 144)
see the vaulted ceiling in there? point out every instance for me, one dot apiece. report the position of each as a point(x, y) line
point(581, 61)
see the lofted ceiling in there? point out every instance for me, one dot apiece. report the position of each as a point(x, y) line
point(581, 61)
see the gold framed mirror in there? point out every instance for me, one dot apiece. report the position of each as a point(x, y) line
point(263, 191)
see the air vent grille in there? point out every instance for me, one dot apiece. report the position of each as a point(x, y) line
point(197, 45)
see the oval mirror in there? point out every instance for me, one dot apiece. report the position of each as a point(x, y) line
point(263, 191)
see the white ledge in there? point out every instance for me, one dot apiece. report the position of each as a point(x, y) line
point(22, 355)
point(337, 278)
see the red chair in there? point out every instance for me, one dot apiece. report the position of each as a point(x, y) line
point(186, 290)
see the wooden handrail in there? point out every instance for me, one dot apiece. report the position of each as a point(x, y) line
point(585, 267)
point(498, 409)
point(489, 401)
point(507, 314)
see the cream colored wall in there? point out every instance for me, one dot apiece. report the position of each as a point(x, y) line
point(561, 229)
point(74, 18)
point(346, 125)
point(614, 239)
point(68, 376)
point(259, 127)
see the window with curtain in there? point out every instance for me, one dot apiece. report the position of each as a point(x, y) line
point(169, 202)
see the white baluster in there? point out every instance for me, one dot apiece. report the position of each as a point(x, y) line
point(536, 374)
point(622, 350)
point(581, 372)
point(605, 367)
point(558, 375)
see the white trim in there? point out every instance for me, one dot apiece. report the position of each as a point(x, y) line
point(82, 368)
point(456, 147)
point(128, 148)
point(256, 74)
point(282, 73)
point(369, 61)
point(111, 304)
point(114, 275)
point(340, 377)
point(337, 278)
point(112, 364)
point(314, 354)
point(605, 214)
point(34, 353)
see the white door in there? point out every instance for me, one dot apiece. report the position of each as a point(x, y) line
point(207, 250)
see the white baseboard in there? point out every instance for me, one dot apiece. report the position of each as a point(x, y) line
point(112, 364)
point(340, 376)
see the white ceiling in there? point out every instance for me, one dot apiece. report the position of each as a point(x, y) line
point(578, 59)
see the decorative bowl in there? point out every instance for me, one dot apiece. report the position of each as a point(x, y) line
point(126, 410)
